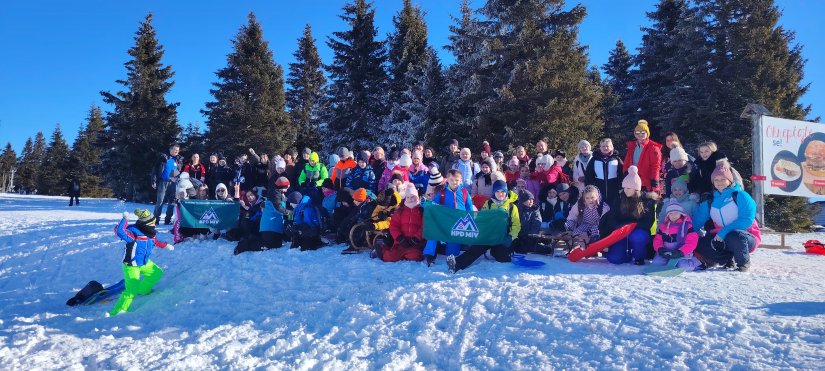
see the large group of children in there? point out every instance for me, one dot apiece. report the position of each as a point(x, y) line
point(690, 209)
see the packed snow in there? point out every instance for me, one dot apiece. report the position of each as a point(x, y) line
point(286, 309)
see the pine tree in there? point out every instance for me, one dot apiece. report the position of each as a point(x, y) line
point(249, 110)
point(756, 61)
point(85, 159)
point(652, 80)
point(142, 124)
point(408, 56)
point(305, 94)
point(422, 106)
point(358, 92)
point(192, 140)
point(463, 85)
point(8, 159)
point(619, 114)
point(29, 164)
point(51, 179)
point(544, 88)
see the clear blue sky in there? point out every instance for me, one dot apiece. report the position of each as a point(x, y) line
point(58, 55)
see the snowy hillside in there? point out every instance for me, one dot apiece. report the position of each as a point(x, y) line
point(286, 309)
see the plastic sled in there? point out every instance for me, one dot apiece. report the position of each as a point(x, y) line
point(668, 270)
point(814, 247)
point(594, 248)
point(521, 261)
point(106, 294)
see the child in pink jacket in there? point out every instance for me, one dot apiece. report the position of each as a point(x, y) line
point(675, 238)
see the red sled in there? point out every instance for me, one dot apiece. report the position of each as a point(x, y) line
point(814, 247)
point(602, 244)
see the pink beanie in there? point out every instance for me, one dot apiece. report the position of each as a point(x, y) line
point(722, 170)
point(632, 180)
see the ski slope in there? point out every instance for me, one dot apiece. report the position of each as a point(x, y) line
point(285, 309)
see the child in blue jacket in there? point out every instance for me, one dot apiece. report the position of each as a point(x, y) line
point(140, 240)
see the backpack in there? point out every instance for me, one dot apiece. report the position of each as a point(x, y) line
point(322, 218)
point(444, 194)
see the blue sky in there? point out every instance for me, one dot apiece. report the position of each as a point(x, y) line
point(58, 55)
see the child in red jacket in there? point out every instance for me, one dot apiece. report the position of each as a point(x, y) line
point(406, 227)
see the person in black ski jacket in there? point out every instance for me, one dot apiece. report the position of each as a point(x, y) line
point(605, 171)
point(219, 174)
point(74, 191)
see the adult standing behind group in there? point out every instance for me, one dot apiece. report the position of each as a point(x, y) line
point(164, 181)
point(646, 155)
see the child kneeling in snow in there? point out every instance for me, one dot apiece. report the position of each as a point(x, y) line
point(675, 238)
point(140, 240)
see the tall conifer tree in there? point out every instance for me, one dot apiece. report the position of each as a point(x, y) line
point(544, 88)
point(84, 161)
point(307, 86)
point(30, 161)
point(357, 94)
point(51, 179)
point(249, 110)
point(142, 124)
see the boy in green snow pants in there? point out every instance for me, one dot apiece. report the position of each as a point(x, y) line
point(140, 240)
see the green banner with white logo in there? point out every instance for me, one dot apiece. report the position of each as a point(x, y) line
point(209, 214)
point(485, 227)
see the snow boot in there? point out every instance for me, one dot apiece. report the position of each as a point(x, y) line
point(451, 269)
point(429, 260)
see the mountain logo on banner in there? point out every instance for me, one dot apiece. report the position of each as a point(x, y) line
point(465, 227)
point(210, 217)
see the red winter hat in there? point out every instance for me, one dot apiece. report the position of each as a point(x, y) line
point(282, 183)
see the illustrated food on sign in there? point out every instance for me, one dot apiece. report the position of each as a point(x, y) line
point(813, 169)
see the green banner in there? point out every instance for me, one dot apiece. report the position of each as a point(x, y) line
point(209, 214)
point(485, 227)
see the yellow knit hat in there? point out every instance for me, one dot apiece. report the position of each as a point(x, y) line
point(642, 125)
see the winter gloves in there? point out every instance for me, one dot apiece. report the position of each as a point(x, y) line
point(170, 247)
point(125, 215)
point(671, 254)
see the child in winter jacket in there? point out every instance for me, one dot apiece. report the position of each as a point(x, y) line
point(513, 171)
point(632, 206)
point(330, 197)
point(362, 176)
point(679, 194)
point(140, 240)
point(406, 228)
point(313, 172)
point(538, 178)
point(467, 167)
point(453, 195)
point(501, 252)
point(385, 205)
point(530, 216)
point(681, 169)
point(583, 220)
point(306, 232)
point(567, 197)
point(675, 239)
point(580, 164)
point(547, 208)
point(419, 173)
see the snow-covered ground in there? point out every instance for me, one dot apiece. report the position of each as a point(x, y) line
point(285, 309)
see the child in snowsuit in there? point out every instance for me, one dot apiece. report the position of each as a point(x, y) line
point(140, 240)
point(406, 228)
point(583, 221)
point(679, 194)
point(501, 252)
point(675, 239)
point(306, 232)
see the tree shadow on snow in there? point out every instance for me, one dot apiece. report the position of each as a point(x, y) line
point(795, 308)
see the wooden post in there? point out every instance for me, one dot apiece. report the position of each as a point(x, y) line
point(755, 112)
